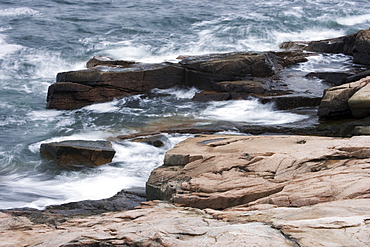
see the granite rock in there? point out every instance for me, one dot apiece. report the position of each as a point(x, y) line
point(225, 171)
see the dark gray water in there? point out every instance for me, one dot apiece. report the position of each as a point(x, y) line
point(40, 38)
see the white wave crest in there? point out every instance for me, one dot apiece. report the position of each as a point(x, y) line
point(354, 20)
point(249, 111)
point(19, 11)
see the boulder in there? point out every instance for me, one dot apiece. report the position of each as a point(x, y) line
point(75, 89)
point(359, 103)
point(78, 152)
point(224, 171)
point(335, 100)
point(70, 95)
point(361, 53)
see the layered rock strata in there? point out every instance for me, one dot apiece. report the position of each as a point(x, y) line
point(338, 223)
point(107, 79)
point(78, 152)
point(224, 171)
point(244, 191)
point(335, 100)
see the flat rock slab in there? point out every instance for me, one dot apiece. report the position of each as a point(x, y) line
point(78, 152)
point(216, 171)
point(339, 223)
point(156, 224)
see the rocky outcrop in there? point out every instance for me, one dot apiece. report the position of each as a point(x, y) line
point(153, 224)
point(78, 153)
point(108, 79)
point(335, 100)
point(343, 44)
point(76, 89)
point(338, 223)
point(357, 45)
point(361, 52)
point(224, 171)
point(273, 191)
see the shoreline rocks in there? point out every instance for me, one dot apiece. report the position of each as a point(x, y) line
point(218, 172)
point(105, 79)
point(275, 190)
point(335, 102)
point(78, 153)
point(356, 45)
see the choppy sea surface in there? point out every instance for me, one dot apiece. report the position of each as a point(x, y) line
point(40, 38)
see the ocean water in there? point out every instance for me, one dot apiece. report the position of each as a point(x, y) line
point(40, 38)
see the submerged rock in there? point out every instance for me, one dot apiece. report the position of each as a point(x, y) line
point(78, 152)
point(158, 140)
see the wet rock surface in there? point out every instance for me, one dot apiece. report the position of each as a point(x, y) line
point(107, 79)
point(78, 153)
point(357, 45)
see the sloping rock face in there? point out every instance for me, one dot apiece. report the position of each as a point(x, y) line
point(224, 171)
point(359, 103)
point(78, 153)
point(335, 100)
point(337, 223)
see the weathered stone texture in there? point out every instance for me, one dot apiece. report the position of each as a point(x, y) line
point(78, 152)
point(224, 171)
point(335, 100)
